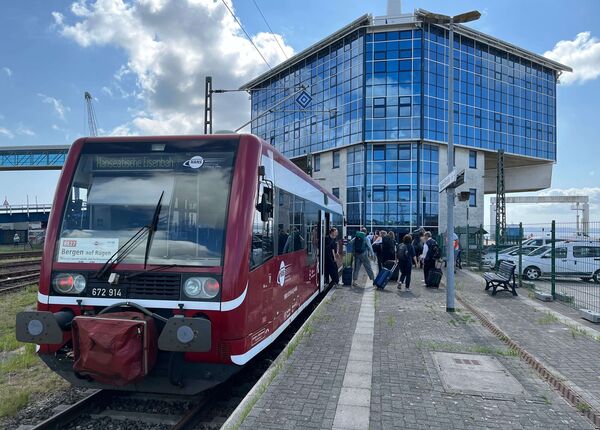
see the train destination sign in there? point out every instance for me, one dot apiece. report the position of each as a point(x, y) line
point(86, 250)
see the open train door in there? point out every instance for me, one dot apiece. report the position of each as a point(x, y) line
point(323, 229)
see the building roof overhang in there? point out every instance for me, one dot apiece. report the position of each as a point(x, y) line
point(378, 23)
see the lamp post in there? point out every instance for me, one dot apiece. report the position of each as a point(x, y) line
point(436, 18)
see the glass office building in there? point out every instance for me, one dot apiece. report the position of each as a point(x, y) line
point(366, 108)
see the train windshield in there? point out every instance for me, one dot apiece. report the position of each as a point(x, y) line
point(117, 187)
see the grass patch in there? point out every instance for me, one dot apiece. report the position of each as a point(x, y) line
point(459, 318)
point(548, 318)
point(391, 321)
point(10, 305)
point(578, 331)
point(583, 407)
point(22, 373)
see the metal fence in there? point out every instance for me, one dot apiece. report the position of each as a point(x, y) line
point(559, 259)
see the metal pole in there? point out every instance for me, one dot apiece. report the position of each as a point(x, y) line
point(553, 265)
point(468, 237)
point(450, 190)
point(520, 254)
point(208, 95)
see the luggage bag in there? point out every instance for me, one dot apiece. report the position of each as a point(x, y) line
point(434, 277)
point(385, 273)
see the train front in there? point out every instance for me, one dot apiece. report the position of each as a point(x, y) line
point(131, 285)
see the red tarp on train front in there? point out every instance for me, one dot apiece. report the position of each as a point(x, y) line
point(116, 349)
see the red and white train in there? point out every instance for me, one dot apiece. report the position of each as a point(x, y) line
point(170, 262)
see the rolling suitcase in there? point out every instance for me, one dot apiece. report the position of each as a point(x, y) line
point(385, 274)
point(347, 270)
point(434, 278)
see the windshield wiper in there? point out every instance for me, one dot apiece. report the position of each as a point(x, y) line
point(125, 249)
point(152, 228)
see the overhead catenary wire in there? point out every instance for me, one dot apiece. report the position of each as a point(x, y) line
point(246, 33)
point(270, 29)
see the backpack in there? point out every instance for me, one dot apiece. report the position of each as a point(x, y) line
point(403, 252)
point(433, 252)
point(359, 244)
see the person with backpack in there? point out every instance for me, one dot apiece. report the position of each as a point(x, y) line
point(361, 248)
point(388, 247)
point(431, 253)
point(406, 258)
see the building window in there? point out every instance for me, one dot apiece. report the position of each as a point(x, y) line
point(472, 197)
point(404, 106)
point(336, 192)
point(379, 107)
point(317, 163)
point(336, 159)
point(472, 159)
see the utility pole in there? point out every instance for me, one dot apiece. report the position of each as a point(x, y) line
point(445, 20)
point(208, 95)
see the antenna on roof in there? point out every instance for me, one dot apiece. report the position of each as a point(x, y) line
point(394, 7)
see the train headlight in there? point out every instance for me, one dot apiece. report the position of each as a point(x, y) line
point(201, 288)
point(69, 283)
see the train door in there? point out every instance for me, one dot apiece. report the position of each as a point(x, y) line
point(324, 223)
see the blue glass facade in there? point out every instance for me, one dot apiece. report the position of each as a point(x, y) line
point(501, 101)
point(334, 78)
point(383, 96)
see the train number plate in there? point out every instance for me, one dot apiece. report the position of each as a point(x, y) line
point(111, 292)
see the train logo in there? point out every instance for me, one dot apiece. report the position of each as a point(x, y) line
point(195, 162)
point(281, 274)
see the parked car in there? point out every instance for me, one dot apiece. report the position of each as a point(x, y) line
point(507, 254)
point(580, 259)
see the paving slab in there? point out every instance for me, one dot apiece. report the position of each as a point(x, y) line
point(565, 344)
point(322, 383)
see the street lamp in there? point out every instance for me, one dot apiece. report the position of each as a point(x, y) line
point(436, 18)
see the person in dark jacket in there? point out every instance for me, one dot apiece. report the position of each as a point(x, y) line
point(428, 255)
point(406, 259)
point(388, 247)
point(332, 276)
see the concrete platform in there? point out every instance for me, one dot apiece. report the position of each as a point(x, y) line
point(371, 360)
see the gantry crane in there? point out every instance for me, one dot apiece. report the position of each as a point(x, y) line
point(91, 115)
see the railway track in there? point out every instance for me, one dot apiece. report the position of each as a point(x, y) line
point(116, 409)
point(18, 279)
point(19, 254)
point(9, 264)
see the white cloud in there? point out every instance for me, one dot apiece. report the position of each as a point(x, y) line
point(8, 71)
point(6, 132)
point(22, 130)
point(58, 106)
point(582, 54)
point(170, 48)
point(107, 91)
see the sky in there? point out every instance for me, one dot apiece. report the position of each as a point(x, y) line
point(144, 62)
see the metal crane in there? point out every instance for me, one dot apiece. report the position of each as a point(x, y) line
point(91, 115)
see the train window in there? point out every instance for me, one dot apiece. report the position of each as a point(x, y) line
point(262, 237)
point(291, 225)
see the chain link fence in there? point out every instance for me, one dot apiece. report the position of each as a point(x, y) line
point(561, 260)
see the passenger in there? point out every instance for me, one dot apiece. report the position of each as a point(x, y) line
point(377, 248)
point(430, 249)
point(294, 242)
point(16, 239)
point(331, 253)
point(388, 247)
point(406, 258)
point(283, 237)
point(361, 248)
